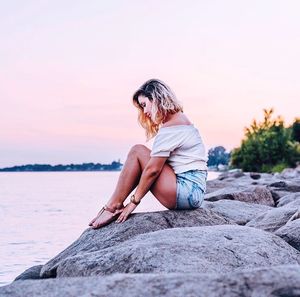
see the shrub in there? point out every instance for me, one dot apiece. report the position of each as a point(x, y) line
point(266, 145)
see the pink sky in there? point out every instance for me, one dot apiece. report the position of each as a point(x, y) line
point(69, 69)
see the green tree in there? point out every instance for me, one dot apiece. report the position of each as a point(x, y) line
point(218, 155)
point(267, 146)
point(296, 130)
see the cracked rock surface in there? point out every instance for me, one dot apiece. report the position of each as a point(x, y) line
point(283, 280)
point(223, 248)
point(141, 223)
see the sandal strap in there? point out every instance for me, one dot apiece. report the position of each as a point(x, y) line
point(100, 211)
point(109, 209)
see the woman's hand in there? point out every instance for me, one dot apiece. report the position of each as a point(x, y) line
point(129, 208)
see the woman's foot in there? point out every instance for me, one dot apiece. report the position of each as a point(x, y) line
point(105, 216)
point(95, 218)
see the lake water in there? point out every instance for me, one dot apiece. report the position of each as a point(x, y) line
point(41, 213)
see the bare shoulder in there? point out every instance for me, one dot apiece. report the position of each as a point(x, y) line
point(177, 119)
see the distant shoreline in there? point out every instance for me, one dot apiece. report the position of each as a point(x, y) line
point(114, 166)
point(70, 171)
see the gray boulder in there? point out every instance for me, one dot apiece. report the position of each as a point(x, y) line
point(291, 197)
point(292, 204)
point(290, 173)
point(237, 211)
point(30, 273)
point(288, 186)
point(210, 249)
point(290, 232)
point(226, 180)
point(215, 184)
point(264, 178)
point(283, 280)
point(231, 174)
point(140, 223)
point(250, 194)
point(278, 194)
point(255, 175)
point(275, 218)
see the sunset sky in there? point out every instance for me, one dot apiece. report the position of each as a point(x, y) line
point(68, 70)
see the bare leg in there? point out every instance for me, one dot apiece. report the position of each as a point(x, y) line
point(164, 188)
point(129, 177)
point(128, 180)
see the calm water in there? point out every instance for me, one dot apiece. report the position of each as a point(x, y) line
point(41, 213)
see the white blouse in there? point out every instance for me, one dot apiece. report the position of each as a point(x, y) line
point(184, 147)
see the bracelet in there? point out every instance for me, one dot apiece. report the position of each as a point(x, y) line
point(132, 199)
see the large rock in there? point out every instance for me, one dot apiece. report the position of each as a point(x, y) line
point(278, 194)
point(252, 178)
point(250, 194)
point(237, 211)
point(223, 248)
point(114, 234)
point(215, 184)
point(291, 233)
point(291, 197)
point(275, 218)
point(266, 179)
point(287, 186)
point(231, 174)
point(278, 185)
point(30, 273)
point(290, 173)
point(283, 280)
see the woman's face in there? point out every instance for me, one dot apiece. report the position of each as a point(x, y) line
point(146, 104)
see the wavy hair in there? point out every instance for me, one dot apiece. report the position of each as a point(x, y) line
point(164, 102)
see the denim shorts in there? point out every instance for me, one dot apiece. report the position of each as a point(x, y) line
point(191, 187)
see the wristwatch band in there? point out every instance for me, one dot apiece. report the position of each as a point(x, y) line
point(132, 199)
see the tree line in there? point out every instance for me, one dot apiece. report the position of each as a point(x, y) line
point(114, 166)
point(267, 146)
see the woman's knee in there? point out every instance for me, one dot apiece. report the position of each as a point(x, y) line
point(139, 149)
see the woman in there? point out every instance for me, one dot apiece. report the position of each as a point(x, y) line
point(174, 171)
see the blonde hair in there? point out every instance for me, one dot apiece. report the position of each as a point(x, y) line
point(164, 102)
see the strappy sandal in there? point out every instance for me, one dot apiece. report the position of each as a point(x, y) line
point(115, 214)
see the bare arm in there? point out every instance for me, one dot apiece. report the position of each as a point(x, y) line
point(150, 173)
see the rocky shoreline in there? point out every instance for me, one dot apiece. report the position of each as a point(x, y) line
point(243, 241)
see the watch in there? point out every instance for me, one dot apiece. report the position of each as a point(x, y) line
point(132, 199)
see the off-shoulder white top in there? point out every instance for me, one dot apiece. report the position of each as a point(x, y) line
point(184, 147)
